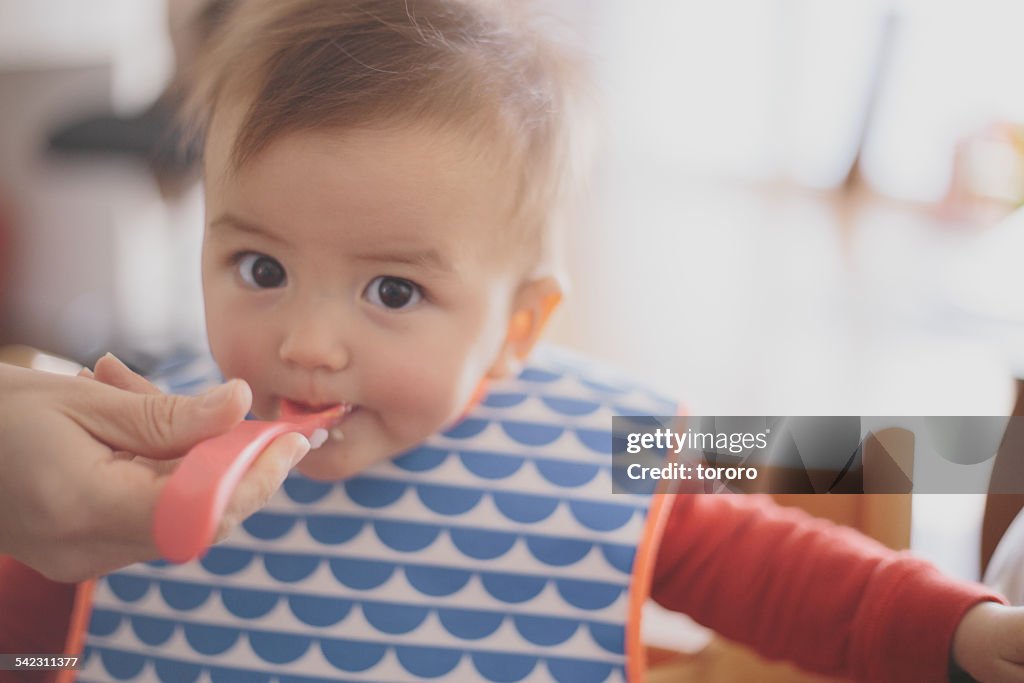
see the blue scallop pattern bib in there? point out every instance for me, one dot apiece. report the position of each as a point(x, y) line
point(492, 552)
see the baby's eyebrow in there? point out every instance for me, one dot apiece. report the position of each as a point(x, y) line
point(232, 221)
point(429, 258)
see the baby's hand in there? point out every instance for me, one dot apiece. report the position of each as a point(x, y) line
point(989, 643)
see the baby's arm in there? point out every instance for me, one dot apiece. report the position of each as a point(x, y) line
point(803, 589)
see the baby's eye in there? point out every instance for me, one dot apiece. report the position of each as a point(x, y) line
point(393, 292)
point(260, 271)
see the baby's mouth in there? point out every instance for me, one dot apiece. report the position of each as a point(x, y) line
point(291, 409)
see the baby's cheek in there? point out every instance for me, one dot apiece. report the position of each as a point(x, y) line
point(419, 398)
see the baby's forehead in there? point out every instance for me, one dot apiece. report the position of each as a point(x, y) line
point(487, 71)
point(418, 193)
point(449, 145)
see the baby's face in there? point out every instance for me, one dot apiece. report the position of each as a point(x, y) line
point(357, 268)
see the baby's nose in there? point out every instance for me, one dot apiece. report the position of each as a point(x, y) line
point(314, 342)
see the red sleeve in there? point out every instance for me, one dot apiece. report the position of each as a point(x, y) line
point(34, 614)
point(795, 587)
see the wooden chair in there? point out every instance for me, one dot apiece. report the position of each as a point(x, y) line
point(1004, 500)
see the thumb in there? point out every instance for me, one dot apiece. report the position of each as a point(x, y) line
point(159, 425)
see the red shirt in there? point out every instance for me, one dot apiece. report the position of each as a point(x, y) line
point(800, 588)
point(789, 585)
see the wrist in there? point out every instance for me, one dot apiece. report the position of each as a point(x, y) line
point(957, 674)
point(975, 651)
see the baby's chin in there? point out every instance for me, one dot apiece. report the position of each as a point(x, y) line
point(336, 460)
point(330, 462)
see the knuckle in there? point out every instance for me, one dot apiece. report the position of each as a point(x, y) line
point(65, 565)
point(160, 413)
point(250, 496)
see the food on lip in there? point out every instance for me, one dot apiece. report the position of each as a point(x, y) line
point(318, 437)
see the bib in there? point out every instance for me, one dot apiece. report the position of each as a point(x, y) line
point(494, 551)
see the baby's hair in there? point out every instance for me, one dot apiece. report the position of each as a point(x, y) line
point(482, 69)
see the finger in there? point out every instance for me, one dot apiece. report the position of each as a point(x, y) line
point(111, 371)
point(86, 373)
point(157, 425)
point(263, 479)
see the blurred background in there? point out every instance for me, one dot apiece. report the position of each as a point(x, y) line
point(798, 208)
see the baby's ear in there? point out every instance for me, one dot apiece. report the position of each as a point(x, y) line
point(534, 302)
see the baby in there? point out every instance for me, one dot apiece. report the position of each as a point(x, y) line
point(380, 180)
point(384, 184)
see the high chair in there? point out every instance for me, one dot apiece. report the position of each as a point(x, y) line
point(1004, 501)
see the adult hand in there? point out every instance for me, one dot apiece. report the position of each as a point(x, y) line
point(76, 498)
point(989, 643)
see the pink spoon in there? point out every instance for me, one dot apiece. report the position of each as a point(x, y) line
point(193, 500)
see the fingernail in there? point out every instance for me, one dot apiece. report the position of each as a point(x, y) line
point(302, 447)
point(115, 359)
point(216, 397)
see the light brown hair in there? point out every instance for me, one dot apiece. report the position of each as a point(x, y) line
point(481, 68)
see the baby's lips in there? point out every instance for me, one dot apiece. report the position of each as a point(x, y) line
point(310, 422)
